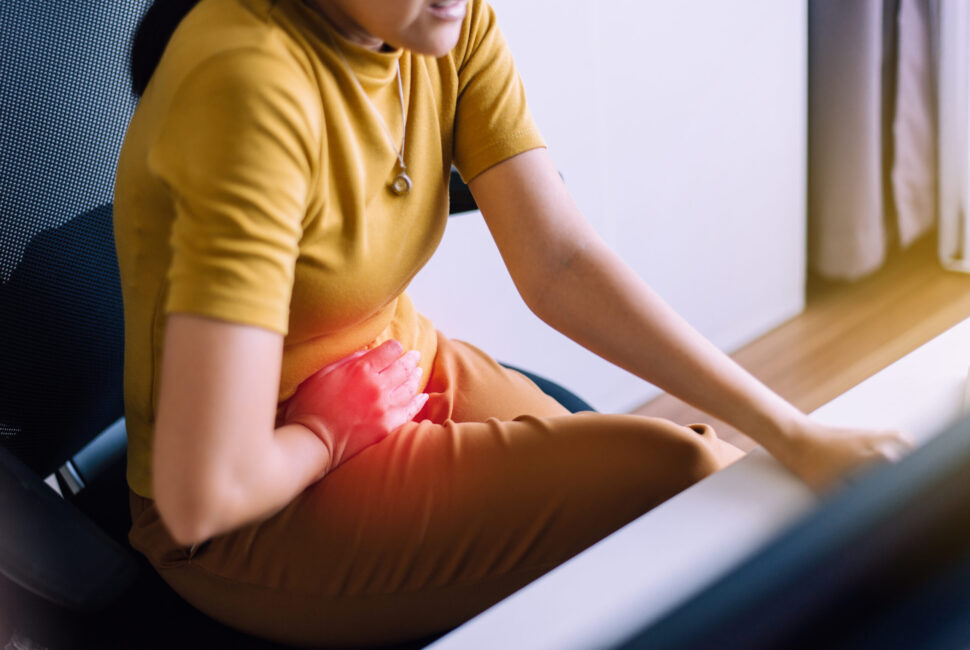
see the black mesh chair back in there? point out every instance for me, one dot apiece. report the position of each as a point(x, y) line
point(64, 105)
point(65, 101)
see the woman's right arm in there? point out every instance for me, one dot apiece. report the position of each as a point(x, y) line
point(220, 462)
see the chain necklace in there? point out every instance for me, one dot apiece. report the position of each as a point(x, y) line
point(401, 184)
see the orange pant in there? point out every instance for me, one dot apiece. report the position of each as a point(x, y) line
point(494, 487)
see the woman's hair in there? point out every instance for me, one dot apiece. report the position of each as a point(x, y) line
point(151, 37)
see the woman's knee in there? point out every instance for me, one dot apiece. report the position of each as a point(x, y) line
point(655, 449)
point(678, 455)
point(650, 460)
point(699, 454)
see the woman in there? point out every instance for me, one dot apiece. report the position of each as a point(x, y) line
point(310, 461)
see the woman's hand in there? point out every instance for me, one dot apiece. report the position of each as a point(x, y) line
point(359, 400)
point(825, 456)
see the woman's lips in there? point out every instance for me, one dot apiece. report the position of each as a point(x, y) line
point(448, 9)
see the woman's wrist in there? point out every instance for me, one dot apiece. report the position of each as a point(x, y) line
point(315, 447)
point(781, 431)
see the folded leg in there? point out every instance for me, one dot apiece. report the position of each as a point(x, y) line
point(437, 522)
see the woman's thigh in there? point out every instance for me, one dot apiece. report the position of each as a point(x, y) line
point(432, 525)
point(468, 385)
point(494, 485)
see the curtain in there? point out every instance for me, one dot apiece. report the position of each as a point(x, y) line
point(954, 133)
point(872, 165)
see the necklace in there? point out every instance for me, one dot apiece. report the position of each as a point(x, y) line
point(401, 184)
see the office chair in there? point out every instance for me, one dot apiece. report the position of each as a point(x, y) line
point(67, 576)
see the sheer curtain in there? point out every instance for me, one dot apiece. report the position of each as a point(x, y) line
point(872, 130)
point(954, 133)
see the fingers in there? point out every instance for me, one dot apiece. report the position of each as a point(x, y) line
point(406, 391)
point(905, 439)
point(398, 417)
point(380, 359)
point(400, 371)
point(893, 445)
point(415, 405)
point(897, 446)
point(383, 355)
point(340, 363)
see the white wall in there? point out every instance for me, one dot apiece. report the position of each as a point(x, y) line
point(680, 129)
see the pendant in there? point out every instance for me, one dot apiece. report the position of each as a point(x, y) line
point(401, 184)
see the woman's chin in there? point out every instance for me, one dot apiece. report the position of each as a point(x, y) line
point(436, 44)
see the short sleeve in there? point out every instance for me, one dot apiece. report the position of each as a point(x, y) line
point(492, 120)
point(236, 150)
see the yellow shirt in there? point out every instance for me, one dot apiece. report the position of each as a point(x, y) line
point(253, 185)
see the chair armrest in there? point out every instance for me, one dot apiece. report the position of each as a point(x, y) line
point(49, 548)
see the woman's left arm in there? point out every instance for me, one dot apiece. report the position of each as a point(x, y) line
point(570, 279)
